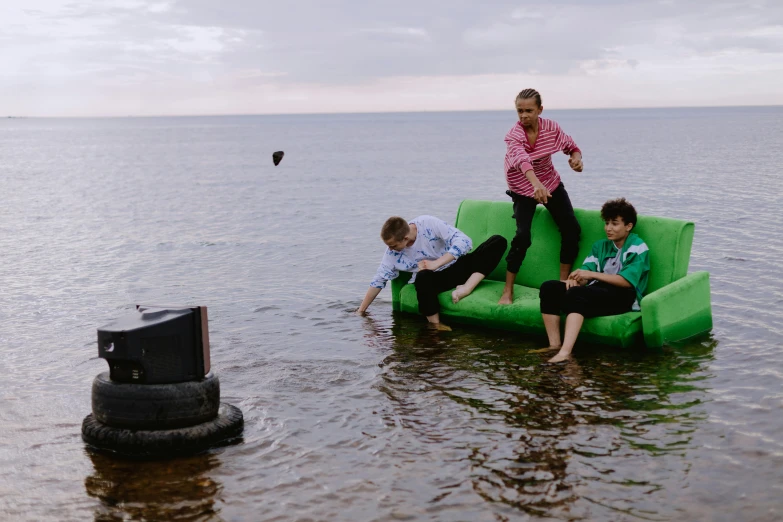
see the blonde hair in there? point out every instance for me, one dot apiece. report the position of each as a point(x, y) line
point(395, 228)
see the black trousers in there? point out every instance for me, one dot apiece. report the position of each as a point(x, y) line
point(595, 300)
point(559, 205)
point(482, 259)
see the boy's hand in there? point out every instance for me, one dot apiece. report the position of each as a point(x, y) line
point(427, 265)
point(541, 194)
point(582, 276)
point(575, 161)
point(570, 283)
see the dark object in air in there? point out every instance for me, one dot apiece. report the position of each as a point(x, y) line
point(154, 406)
point(157, 345)
point(277, 157)
point(224, 429)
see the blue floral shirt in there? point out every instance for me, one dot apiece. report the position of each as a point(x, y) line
point(434, 238)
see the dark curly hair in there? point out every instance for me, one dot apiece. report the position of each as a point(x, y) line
point(619, 207)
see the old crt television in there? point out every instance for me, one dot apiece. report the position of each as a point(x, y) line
point(157, 345)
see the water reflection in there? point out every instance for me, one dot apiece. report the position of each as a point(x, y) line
point(576, 440)
point(181, 489)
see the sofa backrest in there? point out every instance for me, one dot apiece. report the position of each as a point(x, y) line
point(669, 241)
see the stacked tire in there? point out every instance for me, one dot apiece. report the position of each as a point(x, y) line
point(160, 420)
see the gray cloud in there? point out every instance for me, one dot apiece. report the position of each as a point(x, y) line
point(713, 44)
point(342, 42)
point(153, 44)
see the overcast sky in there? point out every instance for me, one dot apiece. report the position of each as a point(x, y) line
point(140, 57)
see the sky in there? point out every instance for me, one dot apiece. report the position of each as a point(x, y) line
point(201, 57)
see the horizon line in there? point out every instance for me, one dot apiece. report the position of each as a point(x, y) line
point(348, 113)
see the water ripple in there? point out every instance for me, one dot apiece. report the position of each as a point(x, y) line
point(379, 418)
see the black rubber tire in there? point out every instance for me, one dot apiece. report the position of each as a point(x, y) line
point(222, 429)
point(154, 406)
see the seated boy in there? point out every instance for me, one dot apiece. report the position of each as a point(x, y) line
point(611, 280)
point(437, 254)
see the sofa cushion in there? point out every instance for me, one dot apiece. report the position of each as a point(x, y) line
point(524, 315)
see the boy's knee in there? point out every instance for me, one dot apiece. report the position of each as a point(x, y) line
point(499, 242)
point(576, 300)
point(551, 292)
point(550, 295)
point(423, 278)
point(549, 286)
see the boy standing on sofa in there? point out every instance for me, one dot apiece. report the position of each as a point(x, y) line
point(532, 179)
point(438, 255)
point(611, 280)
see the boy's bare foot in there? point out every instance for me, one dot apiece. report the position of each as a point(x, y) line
point(439, 327)
point(547, 349)
point(506, 298)
point(560, 357)
point(458, 294)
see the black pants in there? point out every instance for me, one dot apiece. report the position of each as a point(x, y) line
point(482, 259)
point(595, 300)
point(559, 205)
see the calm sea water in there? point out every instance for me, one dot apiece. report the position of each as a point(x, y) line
point(377, 418)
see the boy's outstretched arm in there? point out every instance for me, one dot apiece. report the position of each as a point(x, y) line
point(386, 272)
point(369, 297)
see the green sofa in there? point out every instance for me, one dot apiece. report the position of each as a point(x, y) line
point(676, 305)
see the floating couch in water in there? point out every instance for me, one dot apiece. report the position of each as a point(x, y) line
point(675, 306)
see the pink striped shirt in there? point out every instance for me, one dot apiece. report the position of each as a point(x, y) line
point(521, 157)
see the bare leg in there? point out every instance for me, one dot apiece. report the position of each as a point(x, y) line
point(552, 324)
point(508, 291)
point(464, 290)
point(565, 270)
point(572, 327)
point(435, 323)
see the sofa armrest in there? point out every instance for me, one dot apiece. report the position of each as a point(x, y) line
point(677, 311)
point(396, 287)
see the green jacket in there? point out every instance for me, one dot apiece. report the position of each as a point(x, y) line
point(634, 257)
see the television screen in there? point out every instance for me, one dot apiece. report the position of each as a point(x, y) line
point(157, 345)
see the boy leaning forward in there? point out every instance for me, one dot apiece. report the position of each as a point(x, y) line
point(440, 257)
